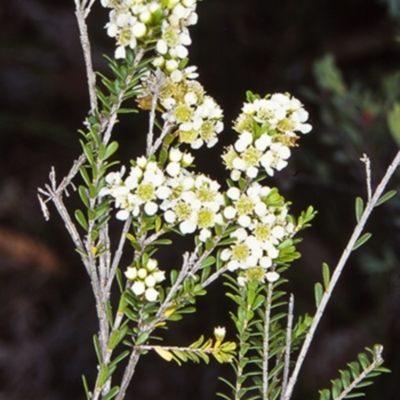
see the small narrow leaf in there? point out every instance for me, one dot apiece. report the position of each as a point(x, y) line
point(363, 239)
point(388, 195)
point(111, 394)
point(110, 150)
point(318, 292)
point(97, 348)
point(359, 208)
point(165, 354)
point(326, 275)
point(142, 338)
point(81, 219)
point(83, 195)
point(86, 387)
point(324, 394)
point(103, 376)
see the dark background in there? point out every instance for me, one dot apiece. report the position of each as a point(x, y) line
point(47, 316)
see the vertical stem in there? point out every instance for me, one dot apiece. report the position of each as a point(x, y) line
point(81, 15)
point(288, 344)
point(266, 340)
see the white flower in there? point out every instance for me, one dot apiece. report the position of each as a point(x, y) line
point(142, 273)
point(139, 30)
point(151, 294)
point(151, 264)
point(173, 169)
point(171, 65)
point(138, 288)
point(131, 273)
point(219, 333)
point(187, 159)
point(150, 281)
point(159, 276)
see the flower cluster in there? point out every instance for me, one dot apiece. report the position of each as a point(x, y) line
point(135, 20)
point(145, 279)
point(186, 106)
point(185, 199)
point(267, 130)
point(263, 224)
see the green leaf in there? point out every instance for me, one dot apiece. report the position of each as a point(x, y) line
point(336, 388)
point(318, 293)
point(109, 313)
point(359, 208)
point(388, 195)
point(116, 337)
point(81, 219)
point(103, 376)
point(119, 358)
point(363, 239)
point(326, 274)
point(97, 350)
point(127, 110)
point(173, 276)
point(208, 262)
point(88, 153)
point(111, 394)
point(142, 338)
point(110, 150)
point(324, 394)
point(83, 195)
point(86, 387)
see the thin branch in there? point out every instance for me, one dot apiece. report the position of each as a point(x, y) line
point(377, 360)
point(267, 323)
point(118, 253)
point(88, 8)
point(337, 272)
point(288, 344)
point(81, 15)
point(152, 115)
point(365, 159)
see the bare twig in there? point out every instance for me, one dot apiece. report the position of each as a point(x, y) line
point(337, 272)
point(81, 15)
point(152, 115)
point(288, 345)
point(365, 159)
point(118, 253)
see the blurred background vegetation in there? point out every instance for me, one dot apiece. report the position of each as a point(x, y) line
point(340, 57)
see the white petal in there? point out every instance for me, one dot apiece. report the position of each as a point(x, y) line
point(272, 276)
